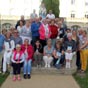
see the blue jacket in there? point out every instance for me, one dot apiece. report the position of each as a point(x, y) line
point(35, 29)
point(2, 38)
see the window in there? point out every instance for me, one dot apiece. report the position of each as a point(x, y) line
point(86, 2)
point(86, 16)
point(72, 2)
point(72, 15)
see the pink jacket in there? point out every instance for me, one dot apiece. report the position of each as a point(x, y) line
point(42, 32)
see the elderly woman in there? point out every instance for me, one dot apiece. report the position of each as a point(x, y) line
point(17, 62)
point(28, 51)
point(84, 51)
point(70, 48)
point(26, 31)
point(48, 52)
point(9, 46)
point(44, 32)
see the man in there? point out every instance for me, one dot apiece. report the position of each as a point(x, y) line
point(70, 49)
point(35, 30)
point(1, 48)
point(18, 23)
point(50, 15)
point(17, 39)
point(33, 15)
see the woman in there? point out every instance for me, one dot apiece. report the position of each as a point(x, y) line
point(44, 32)
point(77, 40)
point(59, 56)
point(26, 31)
point(17, 62)
point(38, 51)
point(54, 32)
point(9, 46)
point(48, 52)
point(19, 28)
point(70, 48)
point(84, 51)
point(28, 51)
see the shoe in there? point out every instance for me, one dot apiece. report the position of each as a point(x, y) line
point(48, 66)
point(25, 76)
point(19, 78)
point(29, 76)
point(14, 78)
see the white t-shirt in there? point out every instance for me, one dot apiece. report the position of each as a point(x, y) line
point(51, 16)
point(19, 29)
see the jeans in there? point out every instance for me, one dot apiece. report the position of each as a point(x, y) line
point(27, 66)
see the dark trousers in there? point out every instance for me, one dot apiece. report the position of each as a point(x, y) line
point(16, 68)
point(34, 38)
point(62, 60)
point(78, 61)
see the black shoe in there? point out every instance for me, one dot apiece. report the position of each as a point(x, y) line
point(25, 77)
point(29, 76)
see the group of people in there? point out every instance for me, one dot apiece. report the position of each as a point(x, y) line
point(45, 43)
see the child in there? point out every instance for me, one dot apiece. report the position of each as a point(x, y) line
point(38, 50)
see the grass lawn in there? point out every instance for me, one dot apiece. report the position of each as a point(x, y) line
point(82, 81)
point(3, 78)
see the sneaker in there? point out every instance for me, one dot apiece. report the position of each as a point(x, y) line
point(49, 66)
point(46, 66)
point(14, 78)
point(25, 76)
point(19, 78)
point(29, 76)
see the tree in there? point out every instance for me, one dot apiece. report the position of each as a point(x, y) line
point(52, 5)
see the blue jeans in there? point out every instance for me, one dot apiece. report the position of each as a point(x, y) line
point(27, 66)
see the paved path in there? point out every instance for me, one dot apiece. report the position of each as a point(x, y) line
point(42, 81)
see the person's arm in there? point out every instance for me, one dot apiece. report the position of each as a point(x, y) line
point(31, 52)
point(85, 44)
point(12, 45)
point(54, 54)
point(44, 51)
point(23, 58)
point(12, 59)
point(74, 46)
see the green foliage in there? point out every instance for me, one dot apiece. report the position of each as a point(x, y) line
point(52, 5)
point(82, 81)
point(3, 78)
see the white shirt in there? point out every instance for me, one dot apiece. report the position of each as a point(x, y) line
point(51, 16)
point(19, 29)
point(17, 57)
point(6, 44)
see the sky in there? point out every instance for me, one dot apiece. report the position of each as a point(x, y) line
point(19, 7)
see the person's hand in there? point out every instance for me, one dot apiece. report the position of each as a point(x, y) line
point(17, 62)
point(69, 51)
point(48, 55)
point(56, 56)
point(62, 52)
